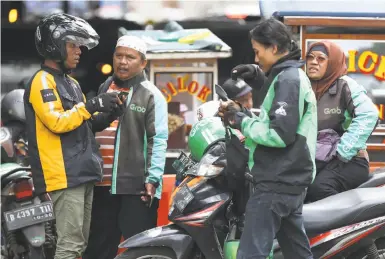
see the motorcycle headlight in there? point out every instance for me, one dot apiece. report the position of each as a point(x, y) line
point(207, 170)
point(205, 167)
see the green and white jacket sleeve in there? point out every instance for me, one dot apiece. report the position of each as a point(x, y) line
point(156, 138)
point(361, 119)
point(277, 124)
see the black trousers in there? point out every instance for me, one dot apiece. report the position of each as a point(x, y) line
point(114, 216)
point(270, 215)
point(336, 177)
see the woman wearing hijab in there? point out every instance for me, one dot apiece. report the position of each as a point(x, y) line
point(346, 118)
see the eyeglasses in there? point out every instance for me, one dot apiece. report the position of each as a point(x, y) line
point(319, 59)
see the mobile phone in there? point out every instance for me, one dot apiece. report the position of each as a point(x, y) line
point(221, 93)
point(149, 199)
point(122, 95)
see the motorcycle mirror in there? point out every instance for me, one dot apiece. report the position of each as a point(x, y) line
point(6, 141)
point(221, 93)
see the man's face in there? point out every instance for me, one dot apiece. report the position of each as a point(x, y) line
point(127, 63)
point(265, 58)
point(73, 55)
point(246, 100)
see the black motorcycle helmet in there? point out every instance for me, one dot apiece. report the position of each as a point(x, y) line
point(55, 30)
point(236, 88)
point(12, 106)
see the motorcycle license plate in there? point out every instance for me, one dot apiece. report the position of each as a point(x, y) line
point(183, 197)
point(29, 215)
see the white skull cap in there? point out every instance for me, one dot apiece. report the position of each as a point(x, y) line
point(132, 42)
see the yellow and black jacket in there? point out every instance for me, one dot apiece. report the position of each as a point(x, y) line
point(62, 149)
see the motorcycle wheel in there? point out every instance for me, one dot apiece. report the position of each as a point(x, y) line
point(147, 253)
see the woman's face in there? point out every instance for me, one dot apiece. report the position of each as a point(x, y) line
point(316, 65)
point(265, 58)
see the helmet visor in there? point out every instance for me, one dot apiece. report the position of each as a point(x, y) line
point(80, 41)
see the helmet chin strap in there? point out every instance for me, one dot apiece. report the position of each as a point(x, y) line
point(61, 63)
point(63, 67)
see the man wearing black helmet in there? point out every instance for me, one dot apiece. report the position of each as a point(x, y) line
point(64, 156)
point(239, 91)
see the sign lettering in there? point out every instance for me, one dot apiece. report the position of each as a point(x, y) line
point(193, 88)
point(367, 62)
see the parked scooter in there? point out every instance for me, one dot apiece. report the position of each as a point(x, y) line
point(346, 225)
point(27, 223)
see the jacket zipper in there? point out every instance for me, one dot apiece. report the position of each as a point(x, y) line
point(132, 90)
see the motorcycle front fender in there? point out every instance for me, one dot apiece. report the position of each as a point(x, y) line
point(170, 236)
point(35, 234)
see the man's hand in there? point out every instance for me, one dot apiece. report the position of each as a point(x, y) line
point(119, 109)
point(104, 102)
point(246, 72)
point(231, 114)
point(227, 107)
point(149, 193)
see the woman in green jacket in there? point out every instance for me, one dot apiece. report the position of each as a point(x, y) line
point(281, 141)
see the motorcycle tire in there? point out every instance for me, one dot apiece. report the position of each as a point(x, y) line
point(148, 252)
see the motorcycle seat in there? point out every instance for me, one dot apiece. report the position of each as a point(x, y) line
point(374, 180)
point(344, 209)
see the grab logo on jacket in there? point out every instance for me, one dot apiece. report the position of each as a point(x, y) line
point(137, 108)
point(336, 110)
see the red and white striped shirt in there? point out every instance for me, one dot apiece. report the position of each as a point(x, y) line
point(106, 140)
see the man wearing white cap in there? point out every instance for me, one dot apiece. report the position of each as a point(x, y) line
point(134, 153)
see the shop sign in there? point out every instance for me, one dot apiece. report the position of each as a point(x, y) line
point(201, 92)
point(367, 62)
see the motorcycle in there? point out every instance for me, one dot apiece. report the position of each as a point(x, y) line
point(205, 226)
point(27, 223)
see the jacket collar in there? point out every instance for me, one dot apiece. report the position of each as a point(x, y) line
point(52, 71)
point(293, 59)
